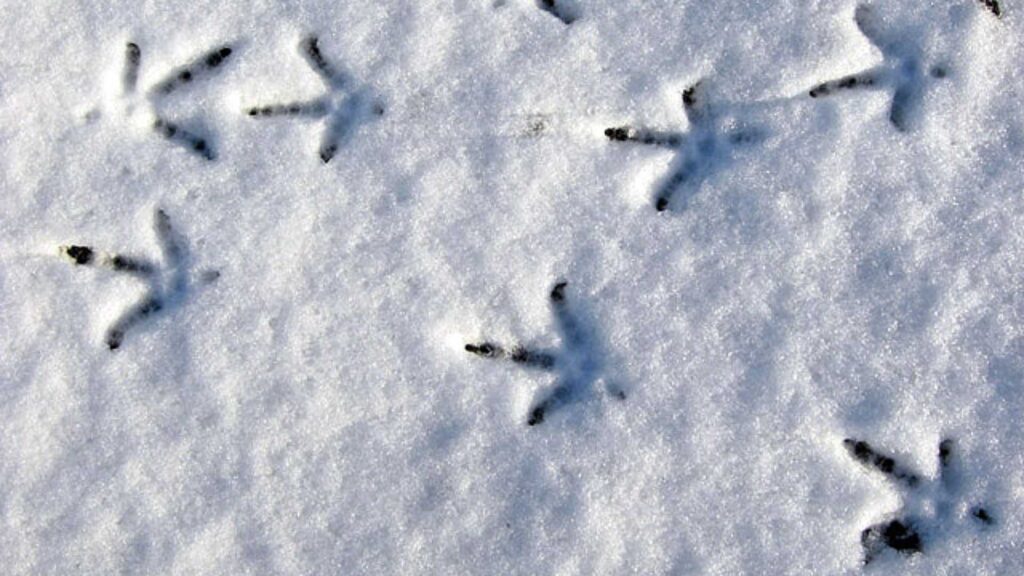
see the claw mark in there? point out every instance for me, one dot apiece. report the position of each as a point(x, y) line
point(560, 9)
point(120, 263)
point(897, 535)
point(311, 51)
point(945, 455)
point(132, 316)
point(865, 454)
point(132, 61)
point(866, 79)
point(643, 136)
point(315, 109)
point(166, 283)
point(519, 355)
point(992, 6)
point(904, 534)
point(578, 364)
point(902, 71)
point(81, 255)
point(343, 107)
point(697, 151)
point(982, 515)
point(199, 69)
point(86, 256)
point(182, 137)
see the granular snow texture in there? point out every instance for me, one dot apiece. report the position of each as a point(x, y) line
point(733, 272)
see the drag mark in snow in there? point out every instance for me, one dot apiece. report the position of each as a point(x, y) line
point(698, 152)
point(344, 105)
point(166, 283)
point(903, 70)
point(906, 532)
point(577, 365)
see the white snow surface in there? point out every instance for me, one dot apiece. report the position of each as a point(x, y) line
point(313, 410)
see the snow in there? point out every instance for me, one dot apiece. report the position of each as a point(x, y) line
point(303, 402)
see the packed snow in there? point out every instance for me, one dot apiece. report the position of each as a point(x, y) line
point(512, 287)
